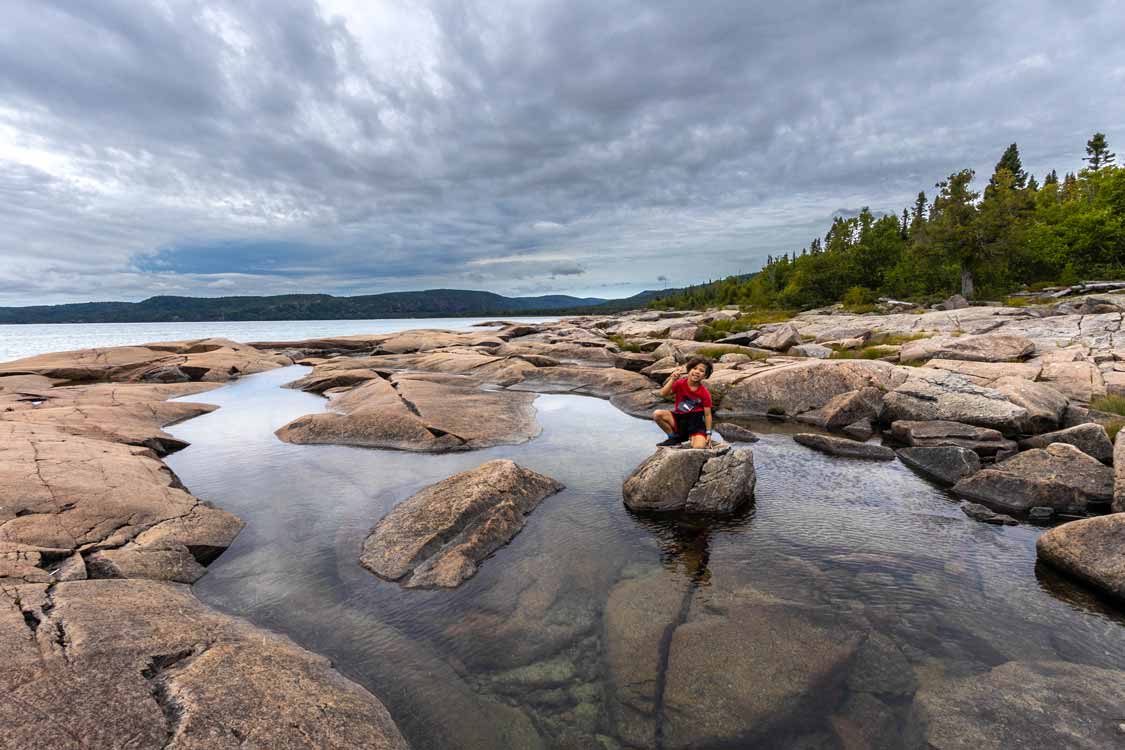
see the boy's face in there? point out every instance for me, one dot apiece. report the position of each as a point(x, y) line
point(697, 373)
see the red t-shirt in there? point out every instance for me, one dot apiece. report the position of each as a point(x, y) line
point(687, 400)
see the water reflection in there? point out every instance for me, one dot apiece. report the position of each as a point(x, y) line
point(517, 656)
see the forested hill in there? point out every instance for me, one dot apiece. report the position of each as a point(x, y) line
point(430, 303)
point(1014, 232)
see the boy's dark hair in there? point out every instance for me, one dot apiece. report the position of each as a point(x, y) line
point(691, 363)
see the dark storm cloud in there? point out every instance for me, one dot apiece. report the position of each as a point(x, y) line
point(280, 146)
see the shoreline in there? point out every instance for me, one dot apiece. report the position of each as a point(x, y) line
point(110, 405)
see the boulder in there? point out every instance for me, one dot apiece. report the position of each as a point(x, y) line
point(780, 338)
point(843, 447)
point(440, 535)
point(989, 347)
point(1044, 704)
point(815, 351)
point(845, 409)
point(745, 338)
point(708, 480)
point(145, 664)
point(1046, 407)
point(978, 512)
point(944, 464)
point(320, 381)
point(985, 442)
point(860, 430)
point(1092, 549)
point(860, 333)
point(1059, 476)
point(929, 395)
point(735, 433)
point(1079, 381)
point(956, 302)
point(1091, 439)
point(1119, 472)
point(792, 389)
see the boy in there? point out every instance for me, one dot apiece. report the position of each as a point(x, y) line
point(690, 419)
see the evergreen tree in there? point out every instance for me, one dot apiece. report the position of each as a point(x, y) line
point(1098, 152)
point(953, 225)
point(1052, 178)
point(1010, 161)
point(904, 227)
point(1032, 183)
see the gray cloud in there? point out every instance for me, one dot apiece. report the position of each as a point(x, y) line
point(260, 147)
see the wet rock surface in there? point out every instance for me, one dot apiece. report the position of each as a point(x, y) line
point(843, 447)
point(942, 433)
point(705, 480)
point(440, 535)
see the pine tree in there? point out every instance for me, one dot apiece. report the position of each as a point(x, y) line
point(1099, 153)
point(1052, 178)
point(1032, 183)
point(904, 225)
point(1011, 162)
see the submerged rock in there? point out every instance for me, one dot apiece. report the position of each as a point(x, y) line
point(1092, 549)
point(1059, 476)
point(708, 480)
point(846, 409)
point(978, 512)
point(439, 536)
point(735, 433)
point(1091, 439)
point(944, 464)
point(843, 447)
point(1043, 704)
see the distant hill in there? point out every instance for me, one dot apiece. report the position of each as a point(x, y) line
point(430, 303)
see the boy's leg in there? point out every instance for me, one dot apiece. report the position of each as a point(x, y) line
point(698, 441)
point(665, 420)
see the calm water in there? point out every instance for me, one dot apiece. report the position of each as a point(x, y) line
point(517, 656)
point(18, 341)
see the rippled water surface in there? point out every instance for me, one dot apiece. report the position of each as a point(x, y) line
point(18, 341)
point(520, 650)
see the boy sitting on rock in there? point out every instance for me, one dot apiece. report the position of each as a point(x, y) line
point(690, 419)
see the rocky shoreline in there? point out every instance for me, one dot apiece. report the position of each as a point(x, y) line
point(98, 539)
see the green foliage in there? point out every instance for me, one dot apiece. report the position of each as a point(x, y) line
point(1015, 234)
point(624, 345)
point(1110, 404)
point(867, 352)
point(1113, 428)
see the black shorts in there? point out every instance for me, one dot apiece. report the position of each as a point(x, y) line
point(689, 424)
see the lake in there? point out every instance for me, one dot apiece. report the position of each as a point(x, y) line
point(18, 341)
point(598, 627)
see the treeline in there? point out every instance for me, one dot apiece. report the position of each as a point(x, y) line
point(1015, 233)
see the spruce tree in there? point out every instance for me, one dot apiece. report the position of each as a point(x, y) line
point(1099, 153)
point(1052, 178)
point(1011, 162)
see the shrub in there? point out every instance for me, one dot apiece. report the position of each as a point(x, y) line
point(1113, 428)
point(867, 352)
point(625, 346)
point(714, 352)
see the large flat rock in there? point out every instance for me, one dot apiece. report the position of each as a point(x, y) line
point(440, 535)
point(144, 664)
point(210, 360)
point(929, 395)
point(984, 348)
point(793, 389)
point(71, 494)
point(416, 413)
point(983, 441)
point(836, 446)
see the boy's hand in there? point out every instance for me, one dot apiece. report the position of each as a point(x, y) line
point(678, 372)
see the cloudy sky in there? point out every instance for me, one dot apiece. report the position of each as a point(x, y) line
point(593, 147)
